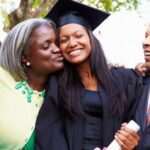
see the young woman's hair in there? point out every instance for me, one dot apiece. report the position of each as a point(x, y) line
point(70, 82)
point(16, 43)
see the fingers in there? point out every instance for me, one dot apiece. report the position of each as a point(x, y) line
point(131, 133)
point(127, 138)
point(141, 69)
point(123, 124)
point(120, 142)
point(147, 67)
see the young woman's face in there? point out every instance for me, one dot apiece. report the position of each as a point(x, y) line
point(146, 45)
point(43, 54)
point(74, 43)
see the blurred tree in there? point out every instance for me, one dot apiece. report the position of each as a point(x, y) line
point(38, 8)
point(27, 9)
point(114, 5)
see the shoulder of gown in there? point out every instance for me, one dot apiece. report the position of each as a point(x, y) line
point(133, 87)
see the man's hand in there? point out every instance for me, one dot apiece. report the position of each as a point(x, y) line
point(141, 69)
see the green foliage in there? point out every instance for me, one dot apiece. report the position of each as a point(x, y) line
point(49, 5)
point(2, 1)
point(36, 3)
point(91, 1)
point(114, 5)
point(4, 13)
point(107, 5)
point(3, 9)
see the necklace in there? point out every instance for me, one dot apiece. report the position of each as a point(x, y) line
point(26, 90)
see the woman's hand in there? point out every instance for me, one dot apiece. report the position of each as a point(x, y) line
point(127, 138)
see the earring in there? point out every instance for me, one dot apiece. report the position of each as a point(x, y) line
point(28, 64)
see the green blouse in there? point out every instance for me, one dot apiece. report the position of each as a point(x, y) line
point(17, 114)
point(30, 144)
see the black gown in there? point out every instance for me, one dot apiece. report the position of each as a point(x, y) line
point(139, 117)
point(54, 132)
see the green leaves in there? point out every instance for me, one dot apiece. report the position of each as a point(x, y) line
point(114, 5)
point(36, 3)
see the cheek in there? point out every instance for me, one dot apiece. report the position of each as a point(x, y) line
point(62, 49)
point(89, 47)
point(88, 43)
point(44, 58)
point(65, 56)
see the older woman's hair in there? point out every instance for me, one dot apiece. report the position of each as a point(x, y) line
point(16, 44)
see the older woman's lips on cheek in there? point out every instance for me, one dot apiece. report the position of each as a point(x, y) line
point(59, 58)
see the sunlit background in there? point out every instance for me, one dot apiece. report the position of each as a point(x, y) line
point(121, 34)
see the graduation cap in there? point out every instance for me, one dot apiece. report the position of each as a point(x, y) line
point(68, 11)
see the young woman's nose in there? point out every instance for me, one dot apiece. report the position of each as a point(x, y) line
point(72, 43)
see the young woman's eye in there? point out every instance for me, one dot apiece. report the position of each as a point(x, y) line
point(63, 40)
point(46, 46)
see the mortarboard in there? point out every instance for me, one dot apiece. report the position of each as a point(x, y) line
point(68, 11)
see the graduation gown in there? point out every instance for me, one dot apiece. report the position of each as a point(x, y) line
point(54, 132)
point(139, 117)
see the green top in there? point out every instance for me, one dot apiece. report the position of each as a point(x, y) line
point(18, 113)
point(30, 144)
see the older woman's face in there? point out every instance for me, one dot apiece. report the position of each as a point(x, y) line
point(43, 54)
point(146, 45)
point(74, 43)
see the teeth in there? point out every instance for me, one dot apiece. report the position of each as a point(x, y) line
point(75, 52)
point(147, 53)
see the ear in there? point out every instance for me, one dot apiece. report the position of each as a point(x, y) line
point(24, 58)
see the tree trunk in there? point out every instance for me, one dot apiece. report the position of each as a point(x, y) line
point(26, 11)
